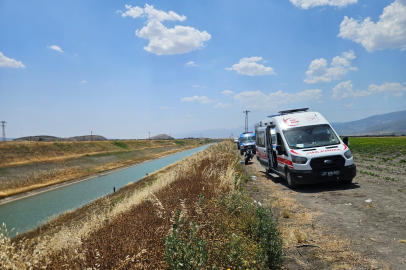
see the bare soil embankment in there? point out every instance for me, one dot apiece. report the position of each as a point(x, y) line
point(27, 166)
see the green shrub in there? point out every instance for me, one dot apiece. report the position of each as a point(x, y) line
point(183, 249)
point(180, 142)
point(121, 144)
point(271, 254)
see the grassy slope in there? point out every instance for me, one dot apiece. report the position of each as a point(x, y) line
point(18, 153)
point(125, 152)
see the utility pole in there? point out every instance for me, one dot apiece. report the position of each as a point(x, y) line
point(91, 135)
point(3, 124)
point(149, 135)
point(246, 120)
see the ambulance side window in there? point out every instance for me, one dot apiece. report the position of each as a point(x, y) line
point(273, 135)
point(261, 139)
point(281, 143)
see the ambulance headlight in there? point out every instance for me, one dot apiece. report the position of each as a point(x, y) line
point(299, 160)
point(348, 154)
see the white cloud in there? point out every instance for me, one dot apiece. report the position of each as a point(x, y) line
point(177, 40)
point(222, 105)
point(340, 65)
point(119, 11)
point(56, 48)
point(196, 85)
point(191, 64)
point(165, 108)
point(344, 90)
point(9, 62)
point(249, 66)
point(348, 105)
point(202, 99)
point(320, 101)
point(163, 40)
point(395, 89)
point(227, 92)
point(261, 101)
point(152, 13)
point(305, 4)
point(82, 82)
point(388, 33)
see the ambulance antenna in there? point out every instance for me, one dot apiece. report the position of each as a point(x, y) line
point(313, 110)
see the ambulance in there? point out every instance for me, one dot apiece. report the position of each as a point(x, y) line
point(303, 148)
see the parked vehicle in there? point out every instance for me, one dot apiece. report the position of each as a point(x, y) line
point(237, 142)
point(248, 156)
point(247, 141)
point(302, 147)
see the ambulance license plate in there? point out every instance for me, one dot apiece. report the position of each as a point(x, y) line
point(330, 173)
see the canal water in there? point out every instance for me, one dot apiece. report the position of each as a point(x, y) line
point(28, 213)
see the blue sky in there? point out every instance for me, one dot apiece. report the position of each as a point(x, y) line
point(124, 68)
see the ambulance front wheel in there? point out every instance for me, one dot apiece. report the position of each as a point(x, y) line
point(289, 180)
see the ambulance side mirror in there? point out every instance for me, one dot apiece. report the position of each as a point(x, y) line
point(345, 141)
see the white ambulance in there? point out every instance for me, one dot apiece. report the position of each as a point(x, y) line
point(302, 147)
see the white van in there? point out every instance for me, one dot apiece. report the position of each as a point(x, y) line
point(302, 147)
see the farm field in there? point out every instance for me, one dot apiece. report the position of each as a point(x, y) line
point(27, 166)
point(363, 223)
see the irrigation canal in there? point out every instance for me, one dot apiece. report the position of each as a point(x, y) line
point(28, 213)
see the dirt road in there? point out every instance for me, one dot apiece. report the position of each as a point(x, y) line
point(370, 213)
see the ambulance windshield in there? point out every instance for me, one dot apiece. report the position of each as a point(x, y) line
point(310, 136)
point(247, 139)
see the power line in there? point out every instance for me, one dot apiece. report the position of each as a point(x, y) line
point(3, 124)
point(246, 120)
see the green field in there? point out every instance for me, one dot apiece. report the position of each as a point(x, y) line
point(384, 147)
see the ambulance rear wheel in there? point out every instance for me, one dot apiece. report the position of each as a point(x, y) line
point(241, 152)
point(289, 180)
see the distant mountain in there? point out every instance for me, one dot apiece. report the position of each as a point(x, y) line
point(47, 138)
point(161, 137)
point(387, 123)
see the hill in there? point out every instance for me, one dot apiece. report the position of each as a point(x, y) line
point(387, 123)
point(161, 137)
point(382, 124)
point(46, 138)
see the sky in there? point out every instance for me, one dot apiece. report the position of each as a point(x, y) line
point(121, 69)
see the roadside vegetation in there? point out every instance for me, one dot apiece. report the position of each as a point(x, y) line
point(26, 166)
point(191, 215)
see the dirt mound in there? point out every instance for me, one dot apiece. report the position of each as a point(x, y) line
point(162, 137)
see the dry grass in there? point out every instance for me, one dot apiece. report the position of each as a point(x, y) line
point(40, 180)
point(302, 229)
point(128, 234)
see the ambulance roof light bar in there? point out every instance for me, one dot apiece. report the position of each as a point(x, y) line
point(293, 111)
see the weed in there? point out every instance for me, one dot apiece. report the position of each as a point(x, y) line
point(285, 213)
point(121, 144)
point(180, 142)
point(301, 237)
point(183, 249)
